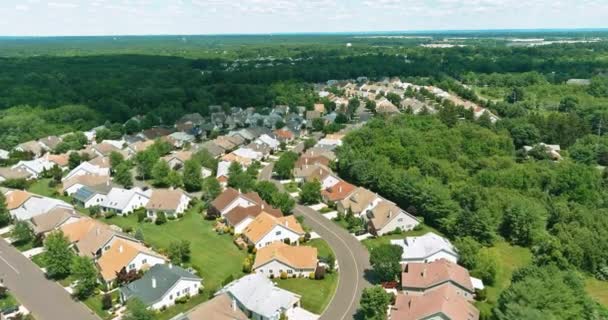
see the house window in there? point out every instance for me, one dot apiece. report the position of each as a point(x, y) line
point(289, 271)
point(269, 270)
point(106, 248)
point(144, 261)
point(171, 297)
point(278, 233)
point(132, 266)
point(400, 220)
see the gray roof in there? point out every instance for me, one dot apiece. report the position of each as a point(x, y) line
point(166, 276)
point(258, 294)
point(87, 192)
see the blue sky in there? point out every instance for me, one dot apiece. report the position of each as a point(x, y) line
point(121, 17)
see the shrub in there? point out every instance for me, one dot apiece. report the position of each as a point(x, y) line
point(180, 215)
point(182, 300)
point(311, 276)
point(110, 214)
point(283, 275)
point(106, 301)
point(127, 229)
point(481, 295)
point(171, 218)
point(141, 214)
point(287, 241)
point(228, 279)
point(161, 218)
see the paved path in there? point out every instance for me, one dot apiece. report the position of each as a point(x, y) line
point(353, 260)
point(45, 299)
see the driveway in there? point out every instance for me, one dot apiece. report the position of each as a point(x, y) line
point(353, 260)
point(45, 299)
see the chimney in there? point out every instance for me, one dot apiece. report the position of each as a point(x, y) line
point(233, 304)
point(120, 249)
point(423, 273)
point(154, 282)
point(340, 188)
point(262, 206)
point(170, 265)
point(287, 223)
point(97, 231)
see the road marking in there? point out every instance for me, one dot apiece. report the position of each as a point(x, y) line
point(10, 265)
point(352, 301)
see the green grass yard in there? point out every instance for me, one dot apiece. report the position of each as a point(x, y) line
point(8, 302)
point(323, 249)
point(316, 294)
point(376, 242)
point(214, 255)
point(598, 290)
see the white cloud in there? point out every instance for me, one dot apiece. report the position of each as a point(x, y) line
point(22, 7)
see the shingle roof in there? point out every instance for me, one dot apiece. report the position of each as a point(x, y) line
point(90, 235)
point(17, 173)
point(52, 219)
point(165, 276)
point(264, 223)
point(238, 214)
point(218, 308)
point(422, 276)
point(359, 200)
point(225, 198)
point(417, 248)
point(120, 254)
point(384, 212)
point(339, 191)
point(165, 199)
point(444, 301)
point(15, 198)
point(297, 257)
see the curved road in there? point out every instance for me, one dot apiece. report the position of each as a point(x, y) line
point(45, 299)
point(352, 256)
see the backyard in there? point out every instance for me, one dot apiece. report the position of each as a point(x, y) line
point(316, 294)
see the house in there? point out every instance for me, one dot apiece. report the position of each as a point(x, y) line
point(70, 186)
point(443, 303)
point(269, 141)
point(177, 159)
point(92, 196)
point(211, 147)
point(96, 167)
point(337, 192)
point(225, 143)
point(49, 143)
point(92, 238)
point(552, 150)
point(230, 199)
point(240, 217)
point(61, 160)
point(4, 155)
point(248, 154)
point(319, 107)
point(306, 160)
point(127, 255)
point(222, 172)
point(125, 201)
point(266, 229)
point(312, 114)
point(278, 257)
point(324, 176)
point(426, 248)
point(23, 205)
point(53, 220)
point(221, 307)
point(358, 202)
point(139, 146)
point(103, 149)
point(189, 121)
point(32, 147)
point(170, 201)
point(181, 138)
point(259, 298)
point(11, 174)
point(34, 167)
point(384, 106)
point(156, 132)
point(331, 141)
point(386, 217)
point(161, 286)
point(284, 135)
point(418, 278)
point(262, 148)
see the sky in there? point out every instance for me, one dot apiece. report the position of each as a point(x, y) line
point(157, 17)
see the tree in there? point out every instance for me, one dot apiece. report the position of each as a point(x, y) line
point(74, 160)
point(516, 94)
point(525, 134)
point(370, 105)
point(449, 115)
point(266, 190)
point(568, 104)
point(486, 267)
point(179, 251)
point(468, 249)
point(139, 234)
point(318, 124)
point(116, 159)
point(174, 179)
point(521, 222)
point(136, 310)
point(309, 143)
point(311, 192)
point(22, 232)
point(284, 202)
point(284, 166)
point(280, 124)
point(374, 303)
point(58, 255)
point(211, 188)
point(161, 218)
point(132, 126)
point(386, 262)
point(238, 179)
point(160, 173)
point(145, 161)
point(85, 273)
point(106, 301)
point(123, 175)
point(393, 98)
point(5, 217)
point(192, 176)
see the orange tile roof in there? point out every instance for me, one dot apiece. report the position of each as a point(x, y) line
point(89, 235)
point(120, 254)
point(311, 160)
point(423, 276)
point(265, 222)
point(89, 180)
point(339, 191)
point(16, 198)
point(297, 257)
point(59, 159)
point(284, 134)
point(445, 300)
point(165, 199)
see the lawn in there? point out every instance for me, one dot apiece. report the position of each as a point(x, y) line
point(94, 303)
point(214, 255)
point(41, 187)
point(316, 294)
point(598, 290)
point(291, 187)
point(323, 249)
point(39, 260)
point(8, 302)
point(510, 259)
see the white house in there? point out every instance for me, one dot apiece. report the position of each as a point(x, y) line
point(232, 198)
point(278, 258)
point(87, 168)
point(387, 217)
point(426, 248)
point(23, 205)
point(127, 255)
point(248, 153)
point(123, 201)
point(35, 167)
point(4, 154)
point(92, 196)
point(266, 229)
point(170, 201)
point(257, 296)
point(161, 286)
point(269, 141)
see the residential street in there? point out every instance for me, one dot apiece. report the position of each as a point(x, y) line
point(353, 260)
point(45, 299)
